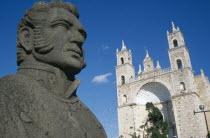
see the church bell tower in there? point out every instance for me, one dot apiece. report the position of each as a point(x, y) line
point(124, 69)
point(178, 52)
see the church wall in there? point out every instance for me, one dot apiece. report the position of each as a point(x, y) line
point(126, 120)
point(183, 75)
point(188, 124)
point(125, 70)
point(203, 89)
point(140, 117)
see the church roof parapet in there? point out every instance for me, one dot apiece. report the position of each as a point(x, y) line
point(150, 74)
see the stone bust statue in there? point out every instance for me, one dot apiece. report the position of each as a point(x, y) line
point(40, 100)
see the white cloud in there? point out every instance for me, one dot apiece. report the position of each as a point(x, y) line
point(101, 78)
point(105, 47)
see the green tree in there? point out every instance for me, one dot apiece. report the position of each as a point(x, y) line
point(155, 126)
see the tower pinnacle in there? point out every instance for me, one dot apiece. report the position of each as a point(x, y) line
point(202, 72)
point(140, 70)
point(147, 53)
point(123, 45)
point(148, 62)
point(158, 65)
point(173, 26)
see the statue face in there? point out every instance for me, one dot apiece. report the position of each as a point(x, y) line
point(64, 32)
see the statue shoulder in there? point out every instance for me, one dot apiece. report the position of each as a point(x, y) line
point(15, 81)
point(16, 86)
point(11, 93)
point(13, 77)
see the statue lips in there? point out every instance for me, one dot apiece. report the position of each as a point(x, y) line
point(75, 49)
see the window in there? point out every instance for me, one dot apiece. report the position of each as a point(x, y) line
point(182, 86)
point(123, 79)
point(125, 99)
point(179, 64)
point(175, 43)
point(122, 60)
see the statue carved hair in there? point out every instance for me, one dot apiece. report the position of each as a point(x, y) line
point(34, 18)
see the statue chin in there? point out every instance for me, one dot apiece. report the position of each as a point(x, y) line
point(73, 70)
point(70, 66)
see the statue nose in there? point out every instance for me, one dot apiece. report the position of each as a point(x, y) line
point(76, 37)
point(81, 38)
point(82, 32)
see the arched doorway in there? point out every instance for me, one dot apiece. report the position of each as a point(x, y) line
point(160, 96)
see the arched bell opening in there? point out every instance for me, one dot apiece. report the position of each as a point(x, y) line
point(179, 64)
point(175, 42)
point(122, 60)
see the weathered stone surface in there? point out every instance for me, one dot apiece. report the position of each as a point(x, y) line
point(40, 101)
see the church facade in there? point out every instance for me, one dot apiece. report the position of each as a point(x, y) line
point(176, 91)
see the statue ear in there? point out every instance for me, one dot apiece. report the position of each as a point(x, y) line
point(25, 37)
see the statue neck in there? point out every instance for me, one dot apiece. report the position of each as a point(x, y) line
point(31, 61)
point(50, 77)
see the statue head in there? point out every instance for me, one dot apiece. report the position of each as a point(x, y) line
point(51, 33)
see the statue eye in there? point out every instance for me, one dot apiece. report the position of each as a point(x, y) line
point(62, 25)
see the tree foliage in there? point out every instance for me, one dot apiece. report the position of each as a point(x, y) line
point(155, 126)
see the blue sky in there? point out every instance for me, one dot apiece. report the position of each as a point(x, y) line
point(140, 23)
